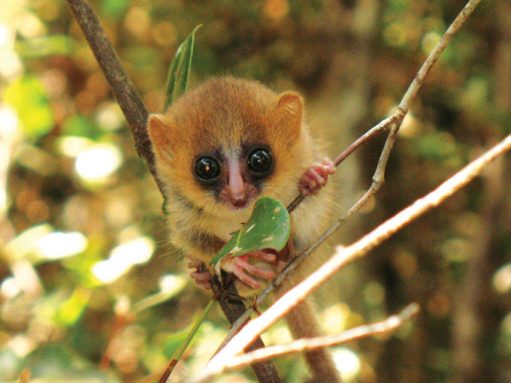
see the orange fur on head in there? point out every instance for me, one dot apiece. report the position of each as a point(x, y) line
point(225, 114)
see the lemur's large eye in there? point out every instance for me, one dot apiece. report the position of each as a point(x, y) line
point(260, 160)
point(207, 168)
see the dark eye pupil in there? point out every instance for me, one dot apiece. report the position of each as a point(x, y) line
point(260, 160)
point(207, 168)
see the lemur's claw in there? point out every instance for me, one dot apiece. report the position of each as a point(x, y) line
point(315, 177)
point(247, 272)
point(200, 275)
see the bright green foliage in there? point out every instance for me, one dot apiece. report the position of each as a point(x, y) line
point(438, 147)
point(179, 71)
point(71, 309)
point(175, 341)
point(45, 46)
point(269, 227)
point(177, 345)
point(78, 125)
point(28, 97)
point(114, 8)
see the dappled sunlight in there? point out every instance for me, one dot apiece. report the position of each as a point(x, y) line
point(73, 146)
point(348, 363)
point(122, 258)
point(10, 288)
point(170, 283)
point(58, 245)
point(502, 279)
point(9, 120)
point(98, 162)
point(92, 290)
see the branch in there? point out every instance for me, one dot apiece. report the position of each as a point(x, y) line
point(233, 308)
point(383, 327)
point(346, 255)
point(383, 125)
point(392, 123)
point(120, 83)
point(455, 26)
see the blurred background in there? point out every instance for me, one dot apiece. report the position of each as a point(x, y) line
point(91, 292)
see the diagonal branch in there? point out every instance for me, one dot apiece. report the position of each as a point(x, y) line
point(346, 255)
point(385, 326)
point(120, 83)
point(391, 123)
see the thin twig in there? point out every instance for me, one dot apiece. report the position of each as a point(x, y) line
point(413, 89)
point(455, 26)
point(393, 122)
point(346, 255)
point(178, 354)
point(385, 326)
point(363, 139)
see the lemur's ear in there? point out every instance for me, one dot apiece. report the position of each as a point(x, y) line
point(289, 113)
point(160, 134)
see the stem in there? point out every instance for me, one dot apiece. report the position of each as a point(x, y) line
point(182, 348)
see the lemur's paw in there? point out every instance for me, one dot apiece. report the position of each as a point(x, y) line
point(199, 274)
point(248, 272)
point(315, 177)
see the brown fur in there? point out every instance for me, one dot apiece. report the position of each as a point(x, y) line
point(226, 113)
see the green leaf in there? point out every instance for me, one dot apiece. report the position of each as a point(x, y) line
point(114, 9)
point(45, 46)
point(179, 71)
point(82, 126)
point(438, 147)
point(175, 341)
point(269, 227)
point(28, 97)
point(71, 309)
